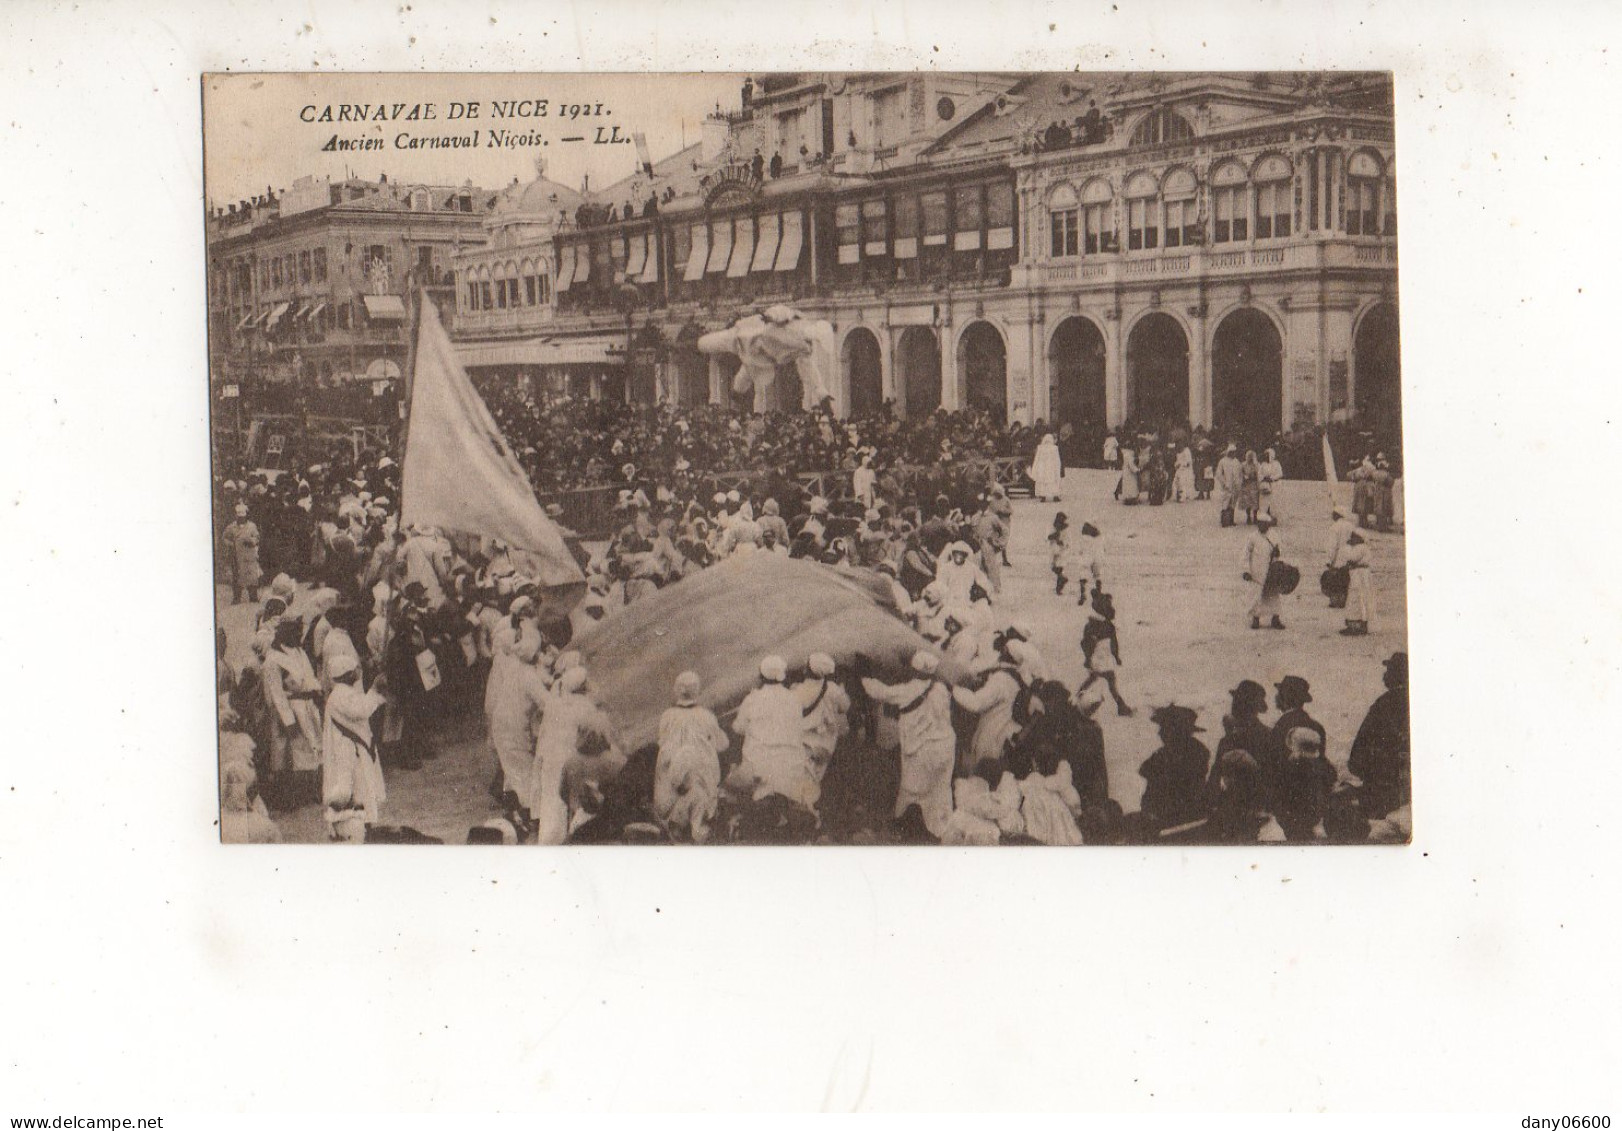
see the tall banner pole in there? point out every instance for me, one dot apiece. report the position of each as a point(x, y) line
point(414, 300)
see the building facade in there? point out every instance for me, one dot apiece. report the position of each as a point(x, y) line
point(1084, 250)
point(309, 285)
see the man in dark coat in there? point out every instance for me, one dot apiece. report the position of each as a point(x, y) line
point(1174, 775)
point(1243, 729)
point(1292, 694)
point(1379, 755)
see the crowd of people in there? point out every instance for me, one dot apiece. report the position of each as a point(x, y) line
point(567, 442)
point(373, 645)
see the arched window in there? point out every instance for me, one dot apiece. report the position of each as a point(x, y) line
point(1098, 217)
point(1230, 204)
point(1275, 197)
point(1064, 218)
point(1142, 219)
point(1177, 193)
point(1161, 127)
point(1365, 175)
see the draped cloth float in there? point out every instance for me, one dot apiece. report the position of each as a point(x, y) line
point(722, 621)
point(779, 336)
point(460, 474)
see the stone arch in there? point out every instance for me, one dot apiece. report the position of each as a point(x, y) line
point(982, 368)
point(1377, 372)
point(1076, 395)
point(918, 370)
point(1247, 376)
point(862, 367)
point(1157, 356)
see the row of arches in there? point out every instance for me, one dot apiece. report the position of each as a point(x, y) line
point(982, 364)
point(1246, 357)
point(1247, 371)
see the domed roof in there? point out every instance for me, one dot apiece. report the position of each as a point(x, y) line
point(540, 197)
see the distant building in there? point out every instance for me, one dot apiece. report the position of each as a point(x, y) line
point(309, 284)
point(1079, 249)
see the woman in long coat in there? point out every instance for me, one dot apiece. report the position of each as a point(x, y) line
point(1047, 469)
point(291, 690)
point(1130, 468)
point(1250, 487)
point(241, 540)
point(571, 723)
point(928, 743)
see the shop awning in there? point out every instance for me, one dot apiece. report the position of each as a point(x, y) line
point(582, 263)
point(315, 311)
point(298, 315)
point(275, 315)
point(242, 323)
point(771, 228)
point(721, 250)
point(638, 257)
point(700, 254)
point(384, 308)
point(788, 255)
point(743, 249)
point(650, 271)
point(565, 271)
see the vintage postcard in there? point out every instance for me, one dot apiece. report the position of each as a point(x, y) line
point(807, 458)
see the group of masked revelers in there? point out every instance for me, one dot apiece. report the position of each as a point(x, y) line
point(349, 685)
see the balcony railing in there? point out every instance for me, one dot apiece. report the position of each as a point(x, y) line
point(1300, 254)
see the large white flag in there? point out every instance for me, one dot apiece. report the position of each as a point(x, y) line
point(460, 473)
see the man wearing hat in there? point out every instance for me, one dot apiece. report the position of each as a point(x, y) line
point(1291, 695)
point(1336, 577)
point(1243, 730)
point(1261, 551)
point(815, 522)
point(992, 534)
point(1380, 752)
point(687, 772)
point(572, 725)
point(1059, 550)
point(1354, 558)
point(771, 721)
point(1174, 776)
point(1307, 781)
point(771, 518)
point(959, 577)
point(427, 562)
point(1229, 478)
point(241, 547)
point(826, 712)
point(928, 743)
point(1086, 562)
point(994, 702)
point(351, 775)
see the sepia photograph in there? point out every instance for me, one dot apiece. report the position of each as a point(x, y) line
point(678, 438)
point(824, 458)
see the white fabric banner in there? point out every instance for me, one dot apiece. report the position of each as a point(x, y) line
point(460, 474)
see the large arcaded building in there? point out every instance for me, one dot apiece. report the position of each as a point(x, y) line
point(1082, 249)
